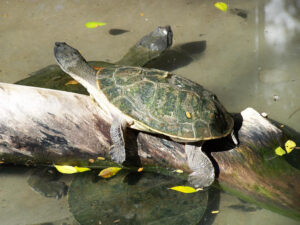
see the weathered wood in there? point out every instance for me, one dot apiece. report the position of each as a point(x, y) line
point(44, 127)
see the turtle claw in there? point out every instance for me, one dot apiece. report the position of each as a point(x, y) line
point(201, 178)
point(203, 174)
point(117, 154)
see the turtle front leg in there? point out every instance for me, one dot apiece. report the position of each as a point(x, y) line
point(203, 174)
point(117, 150)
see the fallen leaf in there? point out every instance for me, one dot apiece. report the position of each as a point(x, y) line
point(289, 146)
point(1, 162)
point(109, 172)
point(100, 158)
point(179, 171)
point(140, 169)
point(117, 221)
point(142, 14)
point(215, 211)
point(279, 151)
point(221, 6)
point(82, 169)
point(70, 169)
point(91, 160)
point(93, 24)
point(97, 68)
point(72, 82)
point(184, 189)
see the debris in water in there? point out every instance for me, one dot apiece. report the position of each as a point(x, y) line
point(221, 6)
point(240, 12)
point(117, 31)
point(94, 24)
point(275, 98)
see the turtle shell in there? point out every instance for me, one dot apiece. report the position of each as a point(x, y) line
point(165, 103)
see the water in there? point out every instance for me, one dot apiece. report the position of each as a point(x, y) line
point(248, 61)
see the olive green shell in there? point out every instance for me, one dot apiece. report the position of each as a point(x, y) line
point(165, 103)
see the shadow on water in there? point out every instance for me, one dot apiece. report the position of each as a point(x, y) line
point(179, 56)
point(135, 198)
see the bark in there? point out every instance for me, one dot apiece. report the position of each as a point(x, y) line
point(45, 127)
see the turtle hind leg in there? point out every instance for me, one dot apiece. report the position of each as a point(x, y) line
point(203, 174)
point(117, 150)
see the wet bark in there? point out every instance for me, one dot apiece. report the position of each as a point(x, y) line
point(45, 127)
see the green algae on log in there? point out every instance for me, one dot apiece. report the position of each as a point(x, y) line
point(45, 127)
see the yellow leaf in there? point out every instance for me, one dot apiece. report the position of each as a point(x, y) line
point(184, 189)
point(66, 169)
point(179, 171)
point(140, 169)
point(94, 24)
point(72, 82)
point(109, 172)
point(91, 160)
point(1, 162)
point(215, 211)
point(279, 151)
point(289, 146)
point(221, 6)
point(81, 169)
point(100, 158)
point(70, 169)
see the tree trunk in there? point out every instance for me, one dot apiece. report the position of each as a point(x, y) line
point(45, 127)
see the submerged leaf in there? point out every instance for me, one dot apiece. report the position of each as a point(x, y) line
point(72, 82)
point(109, 172)
point(184, 189)
point(289, 146)
point(221, 6)
point(93, 24)
point(279, 151)
point(71, 169)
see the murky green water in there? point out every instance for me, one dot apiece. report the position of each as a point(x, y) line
point(249, 56)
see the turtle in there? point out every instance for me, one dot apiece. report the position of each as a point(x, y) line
point(154, 101)
point(45, 180)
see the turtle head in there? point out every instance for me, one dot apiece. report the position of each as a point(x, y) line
point(72, 62)
point(67, 57)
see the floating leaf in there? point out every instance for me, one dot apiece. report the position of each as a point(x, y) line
point(221, 6)
point(71, 169)
point(82, 169)
point(98, 68)
point(100, 158)
point(184, 189)
point(215, 211)
point(279, 151)
point(109, 172)
point(289, 146)
point(94, 24)
point(72, 82)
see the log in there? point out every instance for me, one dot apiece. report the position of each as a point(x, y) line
point(44, 127)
